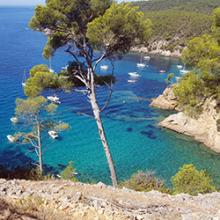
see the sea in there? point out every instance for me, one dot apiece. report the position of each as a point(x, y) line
point(136, 141)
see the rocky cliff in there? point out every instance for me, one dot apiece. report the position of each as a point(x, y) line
point(55, 200)
point(203, 129)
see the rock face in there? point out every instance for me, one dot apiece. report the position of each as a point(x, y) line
point(203, 129)
point(166, 101)
point(157, 48)
point(55, 200)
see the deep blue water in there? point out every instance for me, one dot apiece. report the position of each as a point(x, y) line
point(137, 143)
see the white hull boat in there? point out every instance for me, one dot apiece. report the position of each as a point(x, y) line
point(134, 75)
point(104, 67)
point(54, 99)
point(141, 65)
point(11, 138)
point(53, 134)
point(14, 120)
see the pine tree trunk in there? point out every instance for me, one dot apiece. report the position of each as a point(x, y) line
point(40, 159)
point(96, 112)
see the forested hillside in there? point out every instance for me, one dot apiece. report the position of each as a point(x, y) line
point(177, 21)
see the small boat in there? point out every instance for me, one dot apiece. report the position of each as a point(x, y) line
point(23, 84)
point(131, 81)
point(184, 71)
point(54, 99)
point(179, 66)
point(134, 74)
point(11, 138)
point(146, 57)
point(178, 78)
point(162, 71)
point(104, 67)
point(14, 120)
point(141, 65)
point(51, 70)
point(53, 134)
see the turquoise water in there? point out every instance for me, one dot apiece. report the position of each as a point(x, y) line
point(137, 143)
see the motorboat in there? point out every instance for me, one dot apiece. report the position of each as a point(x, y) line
point(146, 57)
point(179, 66)
point(53, 134)
point(54, 99)
point(104, 67)
point(141, 65)
point(23, 84)
point(131, 81)
point(14, 120)
point(162, 71)
point(134, 74)
point(184, 71)
point(11, 138)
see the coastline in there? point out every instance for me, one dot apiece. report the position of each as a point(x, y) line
point(159, 48)
point(203, 129)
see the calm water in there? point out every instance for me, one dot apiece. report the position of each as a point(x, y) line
point(137, 143)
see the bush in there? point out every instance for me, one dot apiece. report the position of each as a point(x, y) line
point(192, 181)
point(144, 182)
point(69, 173)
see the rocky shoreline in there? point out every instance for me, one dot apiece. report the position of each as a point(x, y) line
point(55, 200)
point(159, 48)
point(203, 129)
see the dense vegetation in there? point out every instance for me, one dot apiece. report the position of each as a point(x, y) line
point(178, 21)
point(203, 54)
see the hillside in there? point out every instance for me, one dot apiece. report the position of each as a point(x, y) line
point(53, 200)
point(177, 21)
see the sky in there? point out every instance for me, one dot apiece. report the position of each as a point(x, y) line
point(23, 2)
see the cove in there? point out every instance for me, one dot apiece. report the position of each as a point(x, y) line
point(137, 143)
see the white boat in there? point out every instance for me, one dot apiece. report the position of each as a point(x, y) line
point(54, 99)
point(184, 71)
point(178, 78)
point(141, 65)
point(134, 74)
point(11, 138)
point(162, 71)
point(53, 134)
point(51, 70)
point(146, 57)
point(179, 66)
point(131, 81)
point(14, 120)
point(104, 67)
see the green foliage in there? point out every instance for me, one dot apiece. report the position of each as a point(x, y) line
point(121, 27)
point(69, 173)
point(169, 78)
point(144, 182)
point(202, 53)
point(39, 81)
point(30, 106)
point(178, 21)
point(39, 68)
point(192, 181)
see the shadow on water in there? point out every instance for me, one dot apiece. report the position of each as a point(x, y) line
point(15, 164)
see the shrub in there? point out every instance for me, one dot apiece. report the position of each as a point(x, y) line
point(145, 181)
point(69, 173)
point(192, 181)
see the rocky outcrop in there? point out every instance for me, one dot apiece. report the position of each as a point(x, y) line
point(166, 101)
point(69, 201)
point(159, 48)
point(203, 129)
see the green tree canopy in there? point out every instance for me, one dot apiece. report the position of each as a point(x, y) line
point(192, 181)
